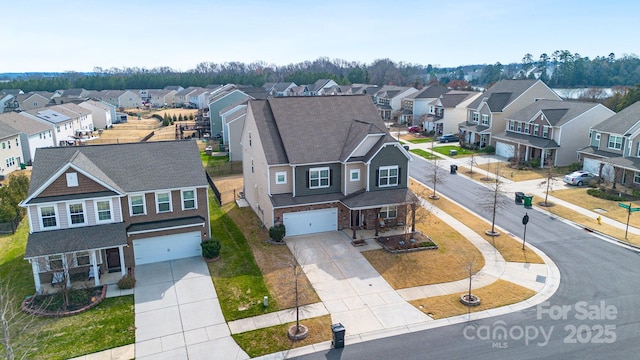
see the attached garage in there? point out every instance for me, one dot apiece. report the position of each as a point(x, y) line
point(168, 247)
point(309, 222)
point(593, 166)
point(505, 150)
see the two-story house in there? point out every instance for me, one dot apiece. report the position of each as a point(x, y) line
point(222, 98)
point(33, 133)
point(486, 115)
point(549, 131)
point(101, 114)
point(162, 97)
point(614, 148)
point(417, 106)
point(61, 125)
point(322, 164)
point(10, 149)
point(388, 100)
point(107, 208)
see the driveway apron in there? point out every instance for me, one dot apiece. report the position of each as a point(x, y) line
point(350, 288)
point(177, 313)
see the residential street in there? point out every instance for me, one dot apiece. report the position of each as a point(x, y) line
point(593, 315)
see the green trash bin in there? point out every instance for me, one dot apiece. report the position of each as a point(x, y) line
point(527, 200)
point(23, 166)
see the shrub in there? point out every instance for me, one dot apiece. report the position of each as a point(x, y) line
point(157, 116)
point(127, 282)
point(575, 167)
point(211, 248)
point(490, 149)
point(599, 193)
point(79, 297)
point(534, 163)
point(277, 232)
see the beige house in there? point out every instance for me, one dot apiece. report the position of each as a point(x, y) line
point(486, 115)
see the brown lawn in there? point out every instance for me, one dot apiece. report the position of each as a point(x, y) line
point(500, 293)
point(430, 266)
point(578, 196)
point(509, 247)
point(588, 222)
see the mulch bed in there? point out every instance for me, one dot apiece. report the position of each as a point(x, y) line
point(51, 305)
point(403, 242)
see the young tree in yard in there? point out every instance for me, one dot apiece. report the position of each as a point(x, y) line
point(180, 117)
point(549, 183)
point(437, 174)
point(472, 162)
point(297, 331)
point(191, 117)
point(10, 197)
point(493, 202)
point(469, 267)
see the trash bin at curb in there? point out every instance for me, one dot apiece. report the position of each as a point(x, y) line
point(338, 335)
point(453, 152)
point(454, 168)
point(519, 197)
point(527, 200)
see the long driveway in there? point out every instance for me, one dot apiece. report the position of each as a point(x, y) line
point(177, 314)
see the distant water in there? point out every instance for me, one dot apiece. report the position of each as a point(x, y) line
point(577, 93)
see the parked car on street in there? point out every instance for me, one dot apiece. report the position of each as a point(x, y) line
point(579, 178)
point(414, 129)
point(448, 138)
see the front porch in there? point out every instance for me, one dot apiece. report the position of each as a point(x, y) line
point(80, 283)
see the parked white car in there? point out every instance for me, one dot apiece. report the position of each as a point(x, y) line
point(579, 178)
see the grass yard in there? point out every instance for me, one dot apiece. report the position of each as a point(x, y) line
point(425, 154)
point(431, 266)
point(509, 248)
point(515, 174)
point(589, 222)
point(462, 152)
point(108, 325)
point(273, 339)
point(420, 140)
point(500, 293)
point(578, 196)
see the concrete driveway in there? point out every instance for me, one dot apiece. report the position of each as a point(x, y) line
point(177, 313)
point(350, 288)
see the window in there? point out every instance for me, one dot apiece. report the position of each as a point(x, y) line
point(58, 128)
point(76, 214)
point(17, 144)
point(10, 161)
point(615, 142)
point(354, 175)
point(252, 166)
point(536, 128)
point(83, 258)
point(9, 144)
point(388, 212)
point(476, 117)
point(526, 128)
point(48, 216)
point(4, 146)
point(511, 125)
point(163, 202)
point(54, 262)
point(103, 209)
point(72, 179)
point(388, 176)
point(249, 138)
point(636, 177)
point(519, 126)
point(137, 205)
point(281, 177)
point(485, 119)
point(545, 132)
point(319, 178)
point(188, 199)
point(598, 137)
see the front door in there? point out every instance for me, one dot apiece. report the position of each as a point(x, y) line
point(113, 259)
point(355, 218)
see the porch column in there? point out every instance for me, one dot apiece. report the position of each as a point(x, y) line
point(377, 210)
point(413, 217)
point(526, 153)
point(123, 268)
point(96, 272)
point(353, 221)
point(36, 275)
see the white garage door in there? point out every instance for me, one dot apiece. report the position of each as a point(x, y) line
point(169, 247)
point(309, 222)
point(593, 166)
point(505, 150)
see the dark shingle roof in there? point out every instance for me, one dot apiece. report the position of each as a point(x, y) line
point(23, 123)
point(503, 93)
point(622, 122)
point(315, 129)
point(126, 167)
point(455, 97)
point(557, 112)
point(432, 91)
point(75, 239)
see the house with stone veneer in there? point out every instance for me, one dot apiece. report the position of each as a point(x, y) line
point(325, 163)
point(107, 208)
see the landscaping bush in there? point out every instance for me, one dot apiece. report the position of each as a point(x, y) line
point(157, 116)
point(79, 296)
point(277, 232)
point(534, 163)
point(490, 149)
point(575, 167)
point(599, 193)
point(211, 248)
point(127, 282)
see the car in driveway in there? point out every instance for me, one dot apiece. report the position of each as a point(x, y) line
point(579, 178)
point(414, 129)
point(446, 138)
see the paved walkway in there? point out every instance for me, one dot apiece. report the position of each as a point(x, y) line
point(177, 313)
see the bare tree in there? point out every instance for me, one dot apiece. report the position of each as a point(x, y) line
point(469, 266)
point(472, 162)
point(437, 174)
point(549, 182)
point(494, 202)
point(295, 261)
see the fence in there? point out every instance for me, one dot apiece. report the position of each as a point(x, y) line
point(213, 186)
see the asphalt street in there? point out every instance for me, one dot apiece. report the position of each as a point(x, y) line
point(595, 313)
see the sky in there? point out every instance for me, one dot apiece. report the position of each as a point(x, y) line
point(72, 35)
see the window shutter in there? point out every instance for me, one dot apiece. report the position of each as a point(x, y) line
point(399, 175)
point(377, 177)
point(308, 180)
point(330, 177)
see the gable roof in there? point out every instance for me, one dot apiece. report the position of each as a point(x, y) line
point(307, 130)
point(557, 112)
point(502, 93)
point(7, 130)
point(131, 167)
point(23, 123)
point(431, 91)
point(49, 115)
point(455, 97)
point(622, 122)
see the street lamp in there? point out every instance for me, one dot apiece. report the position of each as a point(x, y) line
point(525, 220)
